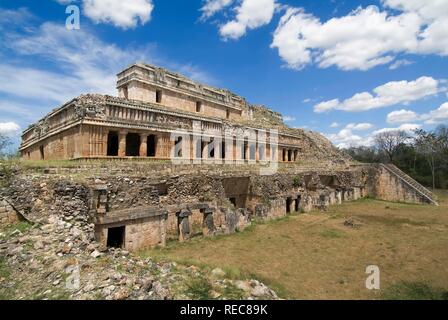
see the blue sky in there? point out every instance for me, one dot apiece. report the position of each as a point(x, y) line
point(347, 69)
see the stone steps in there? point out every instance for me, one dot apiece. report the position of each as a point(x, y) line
point(411, 182)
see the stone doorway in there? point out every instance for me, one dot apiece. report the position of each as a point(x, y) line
point(132, 145)
point(112, 144)
point(297, 203)
point(42, 154)
point(152, 145)
point(115, 237)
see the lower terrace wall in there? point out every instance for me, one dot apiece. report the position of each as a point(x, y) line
point(154, 208)
point(389, 187)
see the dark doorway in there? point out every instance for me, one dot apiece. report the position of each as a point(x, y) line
point(115, 237)
point(152, 145)
point(297, 204)
point(245, 145)
point(178, 148)
point(159, 96)
point(42, 153)
point(289, 155)
point(211, 149)
point(284, 155)
point(223, 150)
point(132, 145)
point(112, 144)
point(288, 204)
point(233, 201)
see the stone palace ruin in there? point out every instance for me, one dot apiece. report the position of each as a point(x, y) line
point(170, 158)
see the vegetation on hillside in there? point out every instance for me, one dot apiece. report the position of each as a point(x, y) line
point(424, 156)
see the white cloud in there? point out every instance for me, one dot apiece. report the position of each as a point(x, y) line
point(438, 115)
point(432, 117)
point(334, 125)
point(78, 62)
point(9, 128)
point(250, 14)
point(123, 14)
point(386, 95)
point(401, 116)
point(359, 126)
point(400, 63)
point(289, 118)
point(345, 138)
point(211, 7)
point(407, 127)
point(365, 38)
point(87, 63)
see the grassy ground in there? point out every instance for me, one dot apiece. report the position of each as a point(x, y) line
point(316, 256)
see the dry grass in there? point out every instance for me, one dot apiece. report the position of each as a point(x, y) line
point(315, 256)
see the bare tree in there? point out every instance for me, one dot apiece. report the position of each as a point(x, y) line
point(4, 143)
point(390, 141)
point(428, 144)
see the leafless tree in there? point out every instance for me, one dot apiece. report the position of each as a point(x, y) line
point(390, 141)
point(430, 145)
point(4, 143)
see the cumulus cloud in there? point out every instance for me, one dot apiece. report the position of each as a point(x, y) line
point(401, 116)
point(359, 126)
point(9, 128)
point(432, 117)
point(289, 118)
point(365, 38)
point(400, 63)
point(386, 95)
point(345, 138)
point(211, 7)
point(123, 14)
point(436, 116)
point(334, 125)
point(80, 63)
point(250, 14)
point(407, 127)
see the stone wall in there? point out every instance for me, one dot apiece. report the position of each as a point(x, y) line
point(155, 205)
point(388, 186)
point(7, 213)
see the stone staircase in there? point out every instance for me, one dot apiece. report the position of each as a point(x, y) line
point(412, 183)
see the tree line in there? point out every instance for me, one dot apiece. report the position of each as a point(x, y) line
point(423, 155)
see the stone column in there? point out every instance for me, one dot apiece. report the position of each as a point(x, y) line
point(122, 143)
point(183, 224)
point(208, 226)
point(143, 145)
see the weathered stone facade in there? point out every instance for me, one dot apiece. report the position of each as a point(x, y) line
point(156, 111)
point(217, 144)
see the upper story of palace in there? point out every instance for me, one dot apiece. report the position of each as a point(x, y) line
point(152, 84)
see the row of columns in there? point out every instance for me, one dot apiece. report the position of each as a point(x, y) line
point(233, 149)
point(290, 155)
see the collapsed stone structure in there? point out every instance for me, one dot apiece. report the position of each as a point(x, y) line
point(224, 169)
